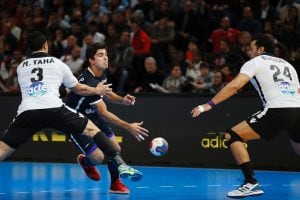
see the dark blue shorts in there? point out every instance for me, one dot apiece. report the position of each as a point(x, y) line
point(85, 144)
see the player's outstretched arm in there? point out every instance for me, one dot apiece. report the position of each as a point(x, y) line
point(229, 90)
point(135, 128)
point(85, 90)
point(115, 98)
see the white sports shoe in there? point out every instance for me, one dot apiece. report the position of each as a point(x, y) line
point(245, 190)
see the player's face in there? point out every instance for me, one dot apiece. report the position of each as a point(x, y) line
point(253, 50)
point(101, 59)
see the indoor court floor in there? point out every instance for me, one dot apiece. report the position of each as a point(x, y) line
point(46, 181)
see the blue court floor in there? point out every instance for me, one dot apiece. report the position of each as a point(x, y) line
point(45, 181)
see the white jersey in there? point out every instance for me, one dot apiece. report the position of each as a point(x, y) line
point(40, 78)
point(275, 80)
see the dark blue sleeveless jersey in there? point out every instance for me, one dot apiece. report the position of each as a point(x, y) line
point(83, 104)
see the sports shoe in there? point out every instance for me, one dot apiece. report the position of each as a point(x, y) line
point(126, 171)
point(118, 188)
point(90, 171)
point(245, 190)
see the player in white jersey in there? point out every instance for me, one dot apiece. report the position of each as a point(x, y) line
point(277, 83)
point(40, 77)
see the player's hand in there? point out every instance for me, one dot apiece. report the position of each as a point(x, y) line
point(103, 88)
point(200, 109)
point(138, 131)
point(128, 100)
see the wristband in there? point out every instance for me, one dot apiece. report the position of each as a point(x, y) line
point(211, 103)
point(201, 109)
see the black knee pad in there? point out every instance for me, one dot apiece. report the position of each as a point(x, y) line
point(233, 137)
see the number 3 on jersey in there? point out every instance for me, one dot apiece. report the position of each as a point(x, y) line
point(38, 75)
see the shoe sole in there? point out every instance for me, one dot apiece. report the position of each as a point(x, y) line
point(257, 193)
point(132, 177)
point(119, 192)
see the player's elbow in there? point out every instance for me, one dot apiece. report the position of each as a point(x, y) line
point(234, 86)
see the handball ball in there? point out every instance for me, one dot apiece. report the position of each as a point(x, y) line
point(158, 146)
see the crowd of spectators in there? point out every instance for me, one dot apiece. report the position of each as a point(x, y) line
point(170, 46)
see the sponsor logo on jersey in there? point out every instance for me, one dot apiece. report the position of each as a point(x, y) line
point(287, 89)
point(37, 89)
point(253, 120)
point(89, 111)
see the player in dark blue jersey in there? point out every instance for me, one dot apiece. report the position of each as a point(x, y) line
point(94, 108)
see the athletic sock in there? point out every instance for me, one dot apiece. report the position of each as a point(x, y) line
point(248, 172)
point(113, 169)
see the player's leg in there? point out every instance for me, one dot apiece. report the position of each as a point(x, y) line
point(20, 130)
point(90, 157)
point(71, 122)
point(236, 137)
point(294, 133)
point(5, 150)
point(116, 185)
point(75, 123)
point(264, 124)
point(112, 151)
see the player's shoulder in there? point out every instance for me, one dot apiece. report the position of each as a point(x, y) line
point(86, 76)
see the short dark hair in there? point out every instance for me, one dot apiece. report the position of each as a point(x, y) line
point(36, 40)
point(91, 51)
point(263, 40)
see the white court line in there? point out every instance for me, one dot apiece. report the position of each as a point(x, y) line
point(46, 191)
point(94, 189)
point(142, 187)
point(166, 186)
point(214, 185)
point(2, 193)
point(288, 185)
point(190, 186)
point(70, 190)
point(23, 192)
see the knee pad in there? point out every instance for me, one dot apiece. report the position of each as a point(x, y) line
point(233, 137)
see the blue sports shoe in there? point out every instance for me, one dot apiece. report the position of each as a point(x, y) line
point(245, 190)
point(129, 172)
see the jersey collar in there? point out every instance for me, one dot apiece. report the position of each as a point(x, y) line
point(39, 54)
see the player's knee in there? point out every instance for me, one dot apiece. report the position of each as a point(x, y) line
point(3, 155)
point(118, 147)
point(232, 137)
point(91, 129)
point(96, 157)
point(5, 151)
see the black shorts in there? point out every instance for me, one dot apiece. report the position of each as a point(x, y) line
point(85, 144)
point(25, 125)
point(270, 122)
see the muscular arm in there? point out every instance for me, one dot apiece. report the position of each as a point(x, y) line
point(229, 90)
point(114, 98)
point(85, 90)
point(102, 111)
point(135, 128)
point(117, 99)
